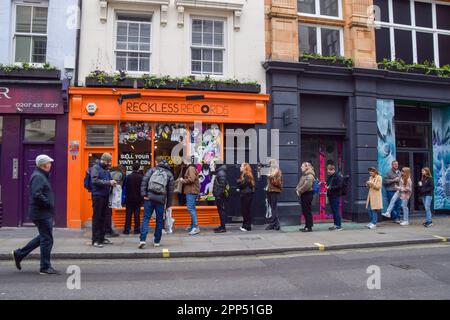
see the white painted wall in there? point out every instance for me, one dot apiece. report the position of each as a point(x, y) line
point(171, 44)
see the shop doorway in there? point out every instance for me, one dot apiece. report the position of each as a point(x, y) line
point(30, 152)
point(415, 160)
point(320, 151)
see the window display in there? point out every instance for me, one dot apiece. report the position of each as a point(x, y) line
point(135, 144)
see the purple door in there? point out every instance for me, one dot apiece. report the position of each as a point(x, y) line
point(30, 152)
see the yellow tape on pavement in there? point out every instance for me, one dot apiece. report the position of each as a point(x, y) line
point(442, 238)
point(321, 246)
point(166, 253)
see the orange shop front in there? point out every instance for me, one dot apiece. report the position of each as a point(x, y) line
point(141, 125)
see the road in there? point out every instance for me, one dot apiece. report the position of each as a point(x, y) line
point(420, 272)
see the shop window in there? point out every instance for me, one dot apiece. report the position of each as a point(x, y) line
point(329, 44)
point(328, 8)
point(403, 45)
point(412, 135)
point(40, 130)
point(206, 148)
point(100, 135)
point(30, 34)
point(133, 43)
point(207, 46)
point(444, 50)
point(135, 145)
point(402, 11)
point(383, 43)
point(425, 50)
point(443, 16)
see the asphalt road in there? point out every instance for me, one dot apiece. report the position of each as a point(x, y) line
point(420, 272)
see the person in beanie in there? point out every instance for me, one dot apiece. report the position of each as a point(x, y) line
point(101, 185)
point(40, 210)
point(133, 199)
point(219, 193)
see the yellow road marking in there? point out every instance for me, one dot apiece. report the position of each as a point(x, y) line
point(166, 253)
point(321, 246)
point(442, 238)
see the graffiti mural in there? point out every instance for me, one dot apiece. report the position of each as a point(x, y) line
point(386, 138)
point(441, 158)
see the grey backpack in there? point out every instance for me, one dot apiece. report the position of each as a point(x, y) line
point(158, 181)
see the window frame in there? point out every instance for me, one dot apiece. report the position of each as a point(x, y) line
point(14, 34)
point(319, 28)
point(223, 48)
point(115, 50)
point(414, 28)
point(319, 14)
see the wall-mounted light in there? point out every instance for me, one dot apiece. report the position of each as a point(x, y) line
point(195, 97)
point(128, 96)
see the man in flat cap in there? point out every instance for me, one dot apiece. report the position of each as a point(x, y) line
point(101, 187)
point(41, 210)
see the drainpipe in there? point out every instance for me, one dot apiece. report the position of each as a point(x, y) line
point(77, 49)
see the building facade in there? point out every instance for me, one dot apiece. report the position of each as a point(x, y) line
point(37, 57)
point(361, 113)
point(149, 70)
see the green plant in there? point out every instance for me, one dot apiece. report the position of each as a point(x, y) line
point(99, 75)
point(333, 59)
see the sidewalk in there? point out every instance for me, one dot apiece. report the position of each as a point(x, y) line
point(75, 243)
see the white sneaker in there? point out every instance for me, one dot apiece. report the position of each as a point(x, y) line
point(404, 223)
point(386, 214)
point(156, 244)
point(243, 229)
point(194, 231)
point(372, 226)
point(141, 244)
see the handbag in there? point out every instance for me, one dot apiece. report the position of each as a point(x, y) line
point(178, 184)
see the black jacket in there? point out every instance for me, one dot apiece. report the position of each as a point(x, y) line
point(101, 178)
point(334, 182)
point(220, 182)
point(244, 186)
point(427, 187)
point(133, 188)
point(159, 198)
point(42, 198)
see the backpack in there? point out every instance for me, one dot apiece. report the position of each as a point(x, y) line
point(316, 186)
point(158, 181)
point(345, 183)
point(88, 180)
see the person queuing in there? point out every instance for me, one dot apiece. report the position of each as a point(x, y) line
point(246, 187)
point(101, 186)
point(374, 201)
point(157, 190)
point(41, 211)
point(191, 188)
point(405, 190)
point(118, 174)
point(334, 190)
point(304, 190)
point(426, 189)
point(391, 181)
point(273, 190)
point(221, 194)
point(133, 199)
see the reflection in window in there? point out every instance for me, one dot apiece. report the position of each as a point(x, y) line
point(40, 130)
point(307, 39)
point(412, 136)
point(330, 42)
point(135, 144)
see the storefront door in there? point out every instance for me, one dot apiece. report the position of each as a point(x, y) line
point(30, 152)
point(415, 160)
point(321, 151)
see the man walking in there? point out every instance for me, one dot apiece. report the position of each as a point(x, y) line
point(101, 186)
point(157, 190)
point(133, 199)
point(391, 181)
point(220, 194)
point(40, 210)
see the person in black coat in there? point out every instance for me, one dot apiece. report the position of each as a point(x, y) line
point(133, 199)
point(40, 210)
point(334, 191)
point(426, 190)
point(219, 193)
point(246, 186)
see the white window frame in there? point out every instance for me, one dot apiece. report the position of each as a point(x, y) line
point(224, 48)
point(28, 34)
point(318, 14)
point(319, 28)
point(414, 29)
point(150, 52)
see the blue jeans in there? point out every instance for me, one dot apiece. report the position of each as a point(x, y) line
point(44, 240)
point(191, 201)
point(395, 214)
point(149, 207)
point(373, 215)
point(405, 210)
point(335, 201)
point(427, 204)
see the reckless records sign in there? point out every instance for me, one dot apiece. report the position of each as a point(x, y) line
point(127, 159)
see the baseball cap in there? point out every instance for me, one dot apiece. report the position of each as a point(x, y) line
point(43, 159)
point(106, 157)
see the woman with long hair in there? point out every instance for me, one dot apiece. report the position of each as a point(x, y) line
point(426, 189)
point(405, 191)
point(246, 186)
point(273, 190)
point(304, 190)
point(374, 201)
